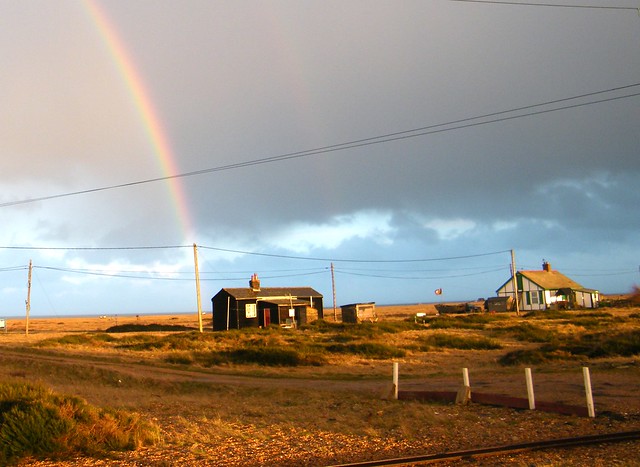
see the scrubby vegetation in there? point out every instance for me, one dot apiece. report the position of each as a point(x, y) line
point(474, 321)
point(35, 422)
point(442, 340)
point(589, 345)
point(557, 335)
point(148, 328)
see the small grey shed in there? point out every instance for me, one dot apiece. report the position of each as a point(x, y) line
point(359, 312)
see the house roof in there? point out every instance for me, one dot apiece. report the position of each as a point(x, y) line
point(246, 293)
point(551, 280)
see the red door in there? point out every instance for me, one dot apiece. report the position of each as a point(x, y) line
point(267, 317)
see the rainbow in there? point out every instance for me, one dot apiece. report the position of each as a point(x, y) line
point(153, 127)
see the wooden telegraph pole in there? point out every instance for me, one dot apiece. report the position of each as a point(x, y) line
point(195, 260)
point(515, 282)
point(333, 288)
point(28, 301)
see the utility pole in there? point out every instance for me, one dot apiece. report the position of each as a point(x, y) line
point(195, 260)
point(28, 301)
point(333, 288)
point(515, 282)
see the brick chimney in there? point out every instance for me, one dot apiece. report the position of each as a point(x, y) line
point(546, 266)
point(254, 283)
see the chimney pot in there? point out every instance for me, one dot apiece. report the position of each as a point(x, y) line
point(254, 283)
point(546, 266)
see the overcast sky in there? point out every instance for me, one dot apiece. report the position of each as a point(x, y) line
point(443, 176)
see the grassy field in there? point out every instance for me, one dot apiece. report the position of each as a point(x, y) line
point(317, 395)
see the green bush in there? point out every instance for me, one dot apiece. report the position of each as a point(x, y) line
point(595, 345)
point(271, 356)
point(36, 422)
point(475, 321)
point(459, 342)
point(92, 339)
point(181, 358)
point(523, 357)
point(31, 428)
point(367, 349)
point(549, 314)
point(179, 341)
point(530, 333)
point(148, 328)
point(599, 345)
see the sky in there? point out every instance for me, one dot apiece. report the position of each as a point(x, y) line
point(413, 145)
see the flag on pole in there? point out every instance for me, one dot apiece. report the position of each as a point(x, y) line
point(438, 291)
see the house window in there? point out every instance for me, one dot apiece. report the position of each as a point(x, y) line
point(535, 298)
point(250, 310)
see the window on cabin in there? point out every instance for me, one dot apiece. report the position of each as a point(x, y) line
point(250, 310)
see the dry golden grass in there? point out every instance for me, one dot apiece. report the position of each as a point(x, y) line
point(256, 415)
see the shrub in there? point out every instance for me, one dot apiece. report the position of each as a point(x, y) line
point(475, 321)
point(464, 343)
point(596, 345)
point(271, 356)
point(36, 422)
point(549, 314)
point(31, 428)
point(523, 357)
point(97, 339)
point(530, 333)
point(367, 349)
point(178, 341)
point(181, 358)
point(148, 328)
point(601, 345)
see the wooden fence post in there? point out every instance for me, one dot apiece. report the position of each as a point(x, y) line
point(395, 380)
point(464, 393)
point(587, 390)
point(465, 377)
point(530, 395)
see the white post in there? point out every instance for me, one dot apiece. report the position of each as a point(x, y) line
point(532, 401)
point(465, 377)
point(587, 390)
point(395, 380)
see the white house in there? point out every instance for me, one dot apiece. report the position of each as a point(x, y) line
point(545, 289)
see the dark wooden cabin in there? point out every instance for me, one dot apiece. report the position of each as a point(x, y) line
point(253, 306)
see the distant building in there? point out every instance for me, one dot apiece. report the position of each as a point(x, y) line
point(253, 306)
point(493, 304)
point(359, 312)
point(548, 289)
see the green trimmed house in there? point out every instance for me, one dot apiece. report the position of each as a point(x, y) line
point(547, 289)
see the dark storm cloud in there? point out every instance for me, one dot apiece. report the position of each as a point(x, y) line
point(235, 82)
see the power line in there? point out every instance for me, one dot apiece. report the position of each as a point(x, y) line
point(380, 276)
point(108, 274)
point(92, 248)
point(476, 268)
point(386, 138)
point(337, 260)
point(626, 273)
point(557, 5)
point(115, 274)
point(254, 253)
point(14, 268)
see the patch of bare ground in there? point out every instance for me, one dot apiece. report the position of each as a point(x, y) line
point(250, 415)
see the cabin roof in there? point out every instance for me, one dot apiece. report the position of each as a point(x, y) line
point(246, 293)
